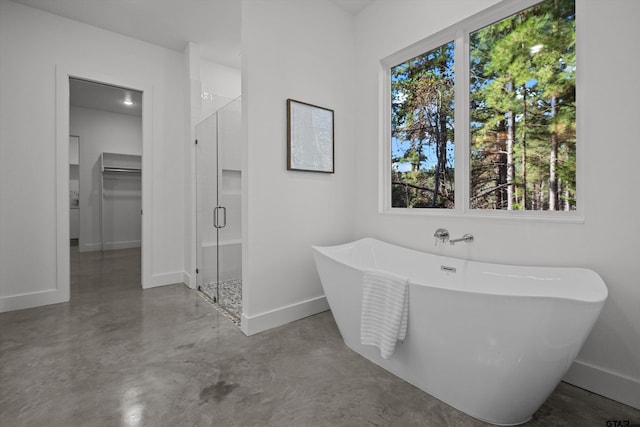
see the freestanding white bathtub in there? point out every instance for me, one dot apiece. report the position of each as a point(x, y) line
point(490, 340)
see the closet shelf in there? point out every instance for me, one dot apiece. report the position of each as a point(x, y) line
point(117, 162)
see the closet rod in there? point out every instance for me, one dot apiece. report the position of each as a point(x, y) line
point(127, 170)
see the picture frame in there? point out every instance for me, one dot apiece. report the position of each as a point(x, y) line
point(310, 137)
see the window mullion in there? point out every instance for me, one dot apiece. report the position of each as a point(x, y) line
point(461, 118)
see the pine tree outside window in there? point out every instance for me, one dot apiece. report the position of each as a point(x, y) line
point(422, 103)
point(514, 147)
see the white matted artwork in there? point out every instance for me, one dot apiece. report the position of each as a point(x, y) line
point(309, 137)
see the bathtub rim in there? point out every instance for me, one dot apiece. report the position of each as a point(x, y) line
point(602, 290)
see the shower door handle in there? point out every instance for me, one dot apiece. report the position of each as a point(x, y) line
point(216, 217)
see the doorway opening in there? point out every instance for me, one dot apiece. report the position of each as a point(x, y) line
point(105, 177)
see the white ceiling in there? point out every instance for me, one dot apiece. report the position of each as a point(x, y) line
point(213, 24)
point(353, 6)
point(87, 94)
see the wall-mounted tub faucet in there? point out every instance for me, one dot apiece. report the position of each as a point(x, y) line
point(466, 238)
point(441, 234)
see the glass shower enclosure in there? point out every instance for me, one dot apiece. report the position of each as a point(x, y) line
point(218, 227)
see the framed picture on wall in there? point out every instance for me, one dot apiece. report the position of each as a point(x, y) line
point(310, 144)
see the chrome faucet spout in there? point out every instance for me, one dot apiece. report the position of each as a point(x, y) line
point(441, 234)
point(466, 238)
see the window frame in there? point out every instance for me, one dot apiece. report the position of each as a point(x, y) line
point(459, 34)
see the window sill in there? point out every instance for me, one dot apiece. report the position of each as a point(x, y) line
point(523, 216)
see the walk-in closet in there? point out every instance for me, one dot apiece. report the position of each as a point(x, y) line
point(105, 172)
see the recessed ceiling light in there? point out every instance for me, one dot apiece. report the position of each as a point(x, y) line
point(127, 102)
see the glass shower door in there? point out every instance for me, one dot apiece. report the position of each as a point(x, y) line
point(206, 201)
point(229, 212)
point(218, 178)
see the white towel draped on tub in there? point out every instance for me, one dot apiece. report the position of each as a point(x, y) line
point(385, 310)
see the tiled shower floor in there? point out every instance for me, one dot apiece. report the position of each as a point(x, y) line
point(230, 298)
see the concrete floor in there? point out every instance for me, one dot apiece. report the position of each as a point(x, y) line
point(117, 355)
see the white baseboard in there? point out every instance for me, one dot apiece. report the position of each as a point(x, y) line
point(33, 299)
point(55, 296)
point(165, 279)
point(89, 247)
point(609, 384)
point(187, 279)
point(108, 246)
point(261, 322)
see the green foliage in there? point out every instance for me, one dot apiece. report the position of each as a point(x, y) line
point(522, 116)
point(422, 129)
point(524, 66)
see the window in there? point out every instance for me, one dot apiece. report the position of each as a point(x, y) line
point(422, 105)
point(514, 147)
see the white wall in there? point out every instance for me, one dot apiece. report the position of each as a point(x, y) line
point(220, 85)
point(606, 241)
point(32, 44)
point(301, 50)
point(103, 131)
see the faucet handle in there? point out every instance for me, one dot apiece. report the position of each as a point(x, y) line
point(441, 234)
